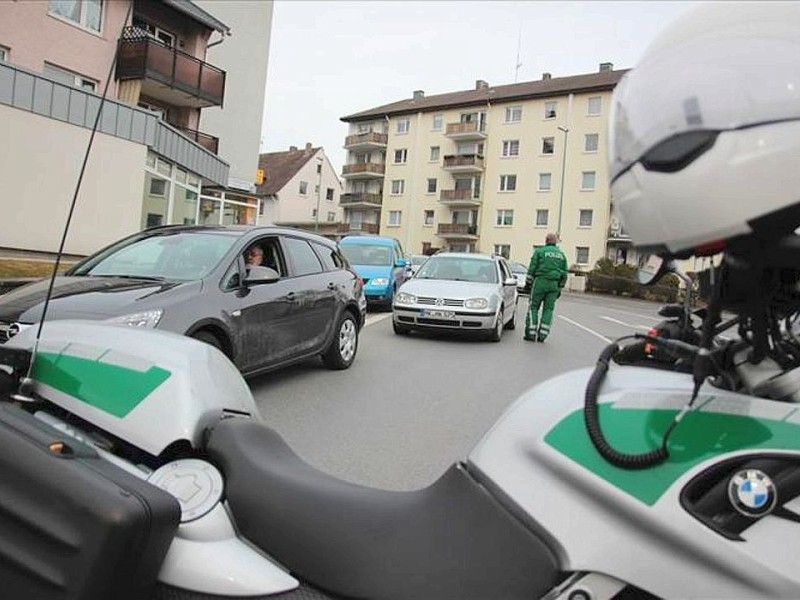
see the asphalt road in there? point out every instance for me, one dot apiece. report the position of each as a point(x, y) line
point(412, 405)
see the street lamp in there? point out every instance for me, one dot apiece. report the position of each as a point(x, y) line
point(563, 173)
point(319, 192)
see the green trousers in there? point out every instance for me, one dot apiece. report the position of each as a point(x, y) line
point(544, 293)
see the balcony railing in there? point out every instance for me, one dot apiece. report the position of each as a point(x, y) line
point(209, 142)
point(141, 57)
point(372, 228)
point(457, 230)
point(364, 169)
point(371, 139)
point(463, 162)
point(466, 131)
point(460, 197)
point(361, 199)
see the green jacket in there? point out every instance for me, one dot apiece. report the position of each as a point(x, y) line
point(548, 262)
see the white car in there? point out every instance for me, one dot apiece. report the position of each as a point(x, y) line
point(458, 291)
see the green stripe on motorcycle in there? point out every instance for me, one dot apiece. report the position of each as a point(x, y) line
point(698, 437)
point(111, 388)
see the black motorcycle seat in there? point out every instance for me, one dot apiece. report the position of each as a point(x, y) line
point(449, 540)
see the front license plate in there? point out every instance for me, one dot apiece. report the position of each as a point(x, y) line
point(438, 314)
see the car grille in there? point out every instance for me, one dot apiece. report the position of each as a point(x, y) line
point(431, 301)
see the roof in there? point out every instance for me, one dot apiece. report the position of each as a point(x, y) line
point(190, 9)
point(280, 167)
point(557, 86)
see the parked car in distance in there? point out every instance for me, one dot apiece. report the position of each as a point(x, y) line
point(380, 262)
point(520, 271)
point(302, 301)
point(416, 262)
point(458, 291)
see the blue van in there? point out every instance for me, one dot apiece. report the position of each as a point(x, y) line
point(380, 262)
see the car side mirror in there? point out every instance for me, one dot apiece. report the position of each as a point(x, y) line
point(511, 281)
point(258, 275)
point(652, 268)
point(401, 262)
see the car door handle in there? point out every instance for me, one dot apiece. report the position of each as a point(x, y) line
point(331, 286)
point(291, 296)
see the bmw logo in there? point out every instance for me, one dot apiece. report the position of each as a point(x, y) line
point(752, 493)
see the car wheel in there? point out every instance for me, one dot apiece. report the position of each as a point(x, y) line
point(341, 352)
point(208, 338)
point(399, 329)
point(513, 322)
point(497, 332)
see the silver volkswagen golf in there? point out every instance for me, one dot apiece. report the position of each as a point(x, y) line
point(458, 291)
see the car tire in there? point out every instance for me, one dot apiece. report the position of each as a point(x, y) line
point(341, 352)
point(209, 338)
point(399, 329)
point(497, 331)
point(512, 324)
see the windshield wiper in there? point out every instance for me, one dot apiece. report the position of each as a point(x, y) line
point(144, 277)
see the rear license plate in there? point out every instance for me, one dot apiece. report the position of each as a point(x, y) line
point(438, 314)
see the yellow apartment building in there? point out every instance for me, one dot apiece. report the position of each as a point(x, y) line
point(489, 170)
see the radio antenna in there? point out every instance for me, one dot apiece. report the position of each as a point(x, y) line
point(519, 45)
point(26, 383)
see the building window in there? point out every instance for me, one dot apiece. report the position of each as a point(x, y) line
point(331, 217)
point(69, 77)
point(427, 218)
point(438, 122)
point(587, 180)
point(153, 32)
point(431, 185)
point(303, 188)
point(548, 145)
point(503, 250)
point(593, 106)
point(511, 148)
point(158, 187)
point(395, 217)
point(541, 217)
point(329, 194)
point(400, 156)
point(582, 255)
point(86, 13)
point(591, 142)
point(550, 110)
point(314, 213)
point(434, 153)
point(505, 218)
point(513, 114)
point(398, 186)
point(403, 125)
point(4, 52)
point(508, 183)
point(585, 219)
point(545, 182)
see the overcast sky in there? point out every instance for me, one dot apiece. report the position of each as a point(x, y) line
point(330, 59)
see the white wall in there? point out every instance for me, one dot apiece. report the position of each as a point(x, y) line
point(39, 171)
point(243, 56)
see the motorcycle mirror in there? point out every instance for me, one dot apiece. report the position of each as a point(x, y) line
point(651, 268)
point(671, 311)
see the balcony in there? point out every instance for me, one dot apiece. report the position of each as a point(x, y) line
point(466, 131)
point(364, 171)
point(618, 236)
point(167, 74)
point(366, 141)
point(459, 198)
point(361, 200)
point(463, 163)
point(209, 142)
point(354, 228)
point(457, 231)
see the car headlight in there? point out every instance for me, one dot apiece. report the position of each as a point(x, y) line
point(379, 282)
point(148, 318)
point(476, 303)
point(405, 298)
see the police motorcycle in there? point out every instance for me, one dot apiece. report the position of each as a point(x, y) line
point(135, 463)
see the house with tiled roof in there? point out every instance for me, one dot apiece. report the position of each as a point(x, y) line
point(300, 189)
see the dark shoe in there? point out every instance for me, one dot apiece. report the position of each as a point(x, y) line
point(540, 339)
point(529, 338)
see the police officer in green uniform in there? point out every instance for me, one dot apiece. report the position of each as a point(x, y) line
point(547, 274)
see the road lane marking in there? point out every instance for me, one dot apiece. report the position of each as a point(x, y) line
point(375, 317)
point(586, 329)
point(645, 327)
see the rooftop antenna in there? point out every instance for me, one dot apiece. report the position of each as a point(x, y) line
point(518, 64)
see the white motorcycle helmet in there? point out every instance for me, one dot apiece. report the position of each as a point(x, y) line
point(705, 130)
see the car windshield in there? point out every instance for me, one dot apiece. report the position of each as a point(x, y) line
point(366, 254)
point(176, 256)
point(455, 268)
